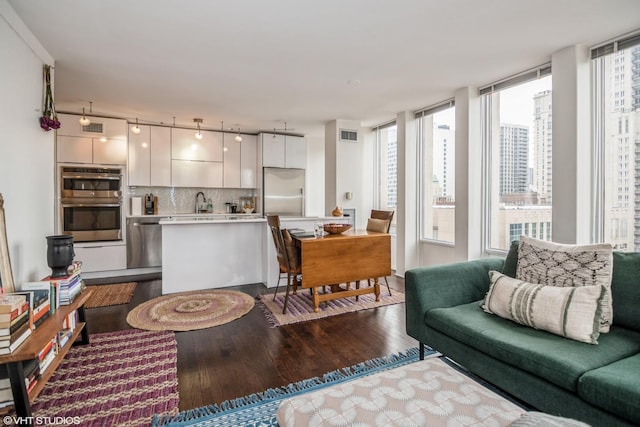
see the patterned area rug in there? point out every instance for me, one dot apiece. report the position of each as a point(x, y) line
point(260, 409)
point(106, 295)
point(300, 306)
point(188, 311)
point(122, 378)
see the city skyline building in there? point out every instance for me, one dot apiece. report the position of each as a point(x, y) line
point(514, 159)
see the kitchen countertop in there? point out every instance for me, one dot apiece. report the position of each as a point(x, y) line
point(228, 218)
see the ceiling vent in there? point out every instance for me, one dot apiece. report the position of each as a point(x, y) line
point(348, 135)
point(93, 127)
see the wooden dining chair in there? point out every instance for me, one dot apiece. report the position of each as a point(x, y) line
point(380, 221)
point(288, 258)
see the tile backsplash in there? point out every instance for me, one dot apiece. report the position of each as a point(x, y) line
point(175, 200)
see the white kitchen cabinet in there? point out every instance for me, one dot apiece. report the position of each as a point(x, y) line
point(232, 155)
point(98, 128)
point(185, 145)
point(160, 156)
point(150, 157)
point(189, 173)
point(272, 150)
point(295, 152)
point(101, 257)
point(140, 157)
point(74, 149)
point(248, 161)
point(283, 151)
point(109, 151)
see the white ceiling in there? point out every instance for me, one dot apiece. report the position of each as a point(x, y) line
point(260, 63)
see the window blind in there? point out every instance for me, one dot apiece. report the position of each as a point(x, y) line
point(435, 108)
point(536, 73)
point(620, 43)
point(383, 126)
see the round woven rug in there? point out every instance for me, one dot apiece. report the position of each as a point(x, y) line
point(188, 311)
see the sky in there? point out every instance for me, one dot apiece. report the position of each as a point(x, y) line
point(516, 104)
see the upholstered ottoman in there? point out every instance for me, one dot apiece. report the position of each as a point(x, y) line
point(428, 392)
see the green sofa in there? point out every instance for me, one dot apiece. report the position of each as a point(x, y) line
point(598, 384)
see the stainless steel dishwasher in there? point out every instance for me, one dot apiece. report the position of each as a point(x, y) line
point(144, 242)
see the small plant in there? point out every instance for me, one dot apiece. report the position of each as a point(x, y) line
point(49, 119)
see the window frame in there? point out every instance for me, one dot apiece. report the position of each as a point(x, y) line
point(486, 108)
point(422, 151)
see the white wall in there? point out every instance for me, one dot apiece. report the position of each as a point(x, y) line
point(571, 115)
point(26, 151)
point(315, 176)
point(344, 161)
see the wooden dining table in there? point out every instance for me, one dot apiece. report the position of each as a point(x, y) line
point(341, 261)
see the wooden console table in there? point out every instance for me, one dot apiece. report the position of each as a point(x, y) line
point(344, 258)
point(30, 349)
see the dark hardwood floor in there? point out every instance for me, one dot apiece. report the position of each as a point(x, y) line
point(248, 356)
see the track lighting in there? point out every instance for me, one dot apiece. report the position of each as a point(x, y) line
point(135, 129)
point(238, 137)
point(199, 133)
point(84, 120)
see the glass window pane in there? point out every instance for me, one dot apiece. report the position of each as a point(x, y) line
point(617, 78)
point(518, 139)
point(387, 192)
point(438, 175)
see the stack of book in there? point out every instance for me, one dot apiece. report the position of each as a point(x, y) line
point(6, 395)
point(65, 289)
point(31, 369)
point(15, 321)
point(47, 354)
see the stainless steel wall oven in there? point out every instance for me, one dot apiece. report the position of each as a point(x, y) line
point(91, 203)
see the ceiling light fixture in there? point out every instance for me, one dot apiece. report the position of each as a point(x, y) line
point(238, 137)
point(84, 120)
point(198, 134)
point(135, 129)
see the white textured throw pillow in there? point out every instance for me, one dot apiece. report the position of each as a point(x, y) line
point(571, 312)
point(554, 264)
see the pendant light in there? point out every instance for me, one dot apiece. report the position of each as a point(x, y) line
point(238, 137)
point(84, 120)
point(135, 129)
point(274, 137)
point(198, 134)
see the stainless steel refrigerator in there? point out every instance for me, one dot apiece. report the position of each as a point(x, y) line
point(283, 191)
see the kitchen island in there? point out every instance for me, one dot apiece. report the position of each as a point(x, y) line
point(216, 251)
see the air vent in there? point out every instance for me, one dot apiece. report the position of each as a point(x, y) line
point(93, 128)
point(348, 135)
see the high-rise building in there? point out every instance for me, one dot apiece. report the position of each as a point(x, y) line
point(444, 168)
point(514, 159)
point(622, 150)
point(392, 168)
point(542, 146)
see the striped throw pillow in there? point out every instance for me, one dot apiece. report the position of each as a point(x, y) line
point(556, 264)
point(571, 312)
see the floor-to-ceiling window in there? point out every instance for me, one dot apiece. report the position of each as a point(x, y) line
point(517, 138)
point(616, 77)
point(386, 185)
point(436, 133)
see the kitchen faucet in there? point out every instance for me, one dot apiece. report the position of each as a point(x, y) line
point(204, 200)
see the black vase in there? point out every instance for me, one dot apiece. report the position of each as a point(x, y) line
point(59, 254)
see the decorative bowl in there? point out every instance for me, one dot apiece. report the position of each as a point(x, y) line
point(248, 210)
point(336, 228)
